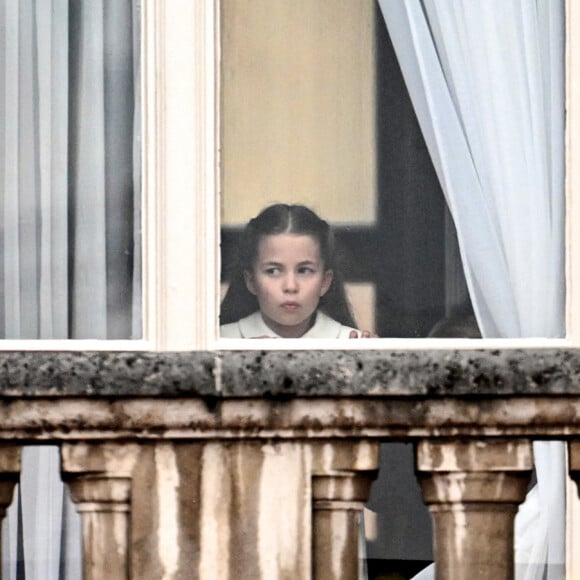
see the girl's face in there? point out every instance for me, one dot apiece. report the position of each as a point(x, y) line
point(288, 279)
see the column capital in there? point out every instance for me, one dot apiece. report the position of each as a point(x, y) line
point(454, 455)
point(338, 456)
point(99, 457)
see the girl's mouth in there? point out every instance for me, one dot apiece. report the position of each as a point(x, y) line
point(290, 305)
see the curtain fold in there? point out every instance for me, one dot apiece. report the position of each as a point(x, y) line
point(69, 219)
point(69, 168)
point(101, 162)
point(487, 83)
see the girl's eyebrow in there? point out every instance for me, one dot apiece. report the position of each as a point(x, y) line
point(280, 264)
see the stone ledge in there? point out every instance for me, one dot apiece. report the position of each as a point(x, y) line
point(315, 418)
point(276, 374)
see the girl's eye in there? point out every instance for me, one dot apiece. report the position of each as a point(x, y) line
point(306, 270)
point(273, 271)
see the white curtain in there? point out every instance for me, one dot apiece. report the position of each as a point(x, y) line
point(487, 83)
point(69, 218)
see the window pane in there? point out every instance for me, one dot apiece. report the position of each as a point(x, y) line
point(320, 115)
point(69, 166)
point(320, 107)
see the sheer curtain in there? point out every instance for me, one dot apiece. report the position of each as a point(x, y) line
point(487, 83)
point(69, 218)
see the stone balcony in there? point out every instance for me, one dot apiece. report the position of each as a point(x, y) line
point(255, 465)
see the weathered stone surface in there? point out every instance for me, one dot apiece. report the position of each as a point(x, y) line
point(283, 374)
point(473, 490)
point(104, 374)
point(99, 479)
point(426, 373)
point(540, 417)
point(220, 441)
point(242, 510)
point(339, 492)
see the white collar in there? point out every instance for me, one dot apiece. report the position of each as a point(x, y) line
point(253, 326)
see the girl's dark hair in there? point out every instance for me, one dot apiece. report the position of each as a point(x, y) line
point(284, 219)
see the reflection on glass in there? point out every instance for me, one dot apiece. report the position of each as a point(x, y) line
point(69, 166)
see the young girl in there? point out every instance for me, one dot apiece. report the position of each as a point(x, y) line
point(286, 283)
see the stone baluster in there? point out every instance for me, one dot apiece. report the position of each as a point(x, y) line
point(99, 478)
point(342, 476)
point(473, 489)
point(9, 477)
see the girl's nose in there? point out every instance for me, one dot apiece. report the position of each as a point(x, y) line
point(290, 283)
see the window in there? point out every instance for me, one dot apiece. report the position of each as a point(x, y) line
point(253, 151)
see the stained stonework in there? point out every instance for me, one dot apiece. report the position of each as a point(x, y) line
point(433, 373)
point(473, 489)
point(255, 465)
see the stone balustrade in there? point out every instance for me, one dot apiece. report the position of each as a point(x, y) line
point(255, 465)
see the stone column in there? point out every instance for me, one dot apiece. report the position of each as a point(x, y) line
point(99, 478)
point(574, 462)
point(342, 476)
point(9, 477)
point(473, 489)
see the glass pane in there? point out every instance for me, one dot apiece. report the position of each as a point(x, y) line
point(70, 170)
point(319, 115)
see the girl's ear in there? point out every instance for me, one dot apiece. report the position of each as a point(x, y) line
point(326, 282)
point(249, 278)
